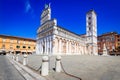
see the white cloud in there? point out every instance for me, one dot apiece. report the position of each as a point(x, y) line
point(28, 7)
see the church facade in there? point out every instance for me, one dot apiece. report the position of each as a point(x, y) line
point(55, 40)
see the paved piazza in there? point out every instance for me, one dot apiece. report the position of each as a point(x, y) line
point(8, 71)
point(85, 67)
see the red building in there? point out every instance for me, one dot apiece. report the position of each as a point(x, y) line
point(118, 42)
point(111, 41)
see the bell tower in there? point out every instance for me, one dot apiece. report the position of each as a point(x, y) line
point(91, 31)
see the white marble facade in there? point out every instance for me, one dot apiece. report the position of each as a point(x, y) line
point(55, 40)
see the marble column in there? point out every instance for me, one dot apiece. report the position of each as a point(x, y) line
point(50, 46)
point(70, 48)
point(66, 47)
point(83, 50)
point(42, 47)
point(57, 46)
point(47, 47)
point(75, 48)
point(48, 52)
point(53, 46)
point(80, 50)
point(60, 46)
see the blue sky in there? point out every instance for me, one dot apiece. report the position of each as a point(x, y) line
point(22, 17)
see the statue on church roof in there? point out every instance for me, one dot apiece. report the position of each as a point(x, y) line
point(47, 5)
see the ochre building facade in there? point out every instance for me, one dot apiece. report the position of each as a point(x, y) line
point(13, 44)
point(56, 40)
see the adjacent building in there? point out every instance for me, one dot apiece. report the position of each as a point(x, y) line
point(118, 41)
point(13, 44)
point(111, 40)
point(53, 39)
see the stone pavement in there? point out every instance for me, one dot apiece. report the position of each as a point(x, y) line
point(8, 71)
point(26, 72)
point(85, 67)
